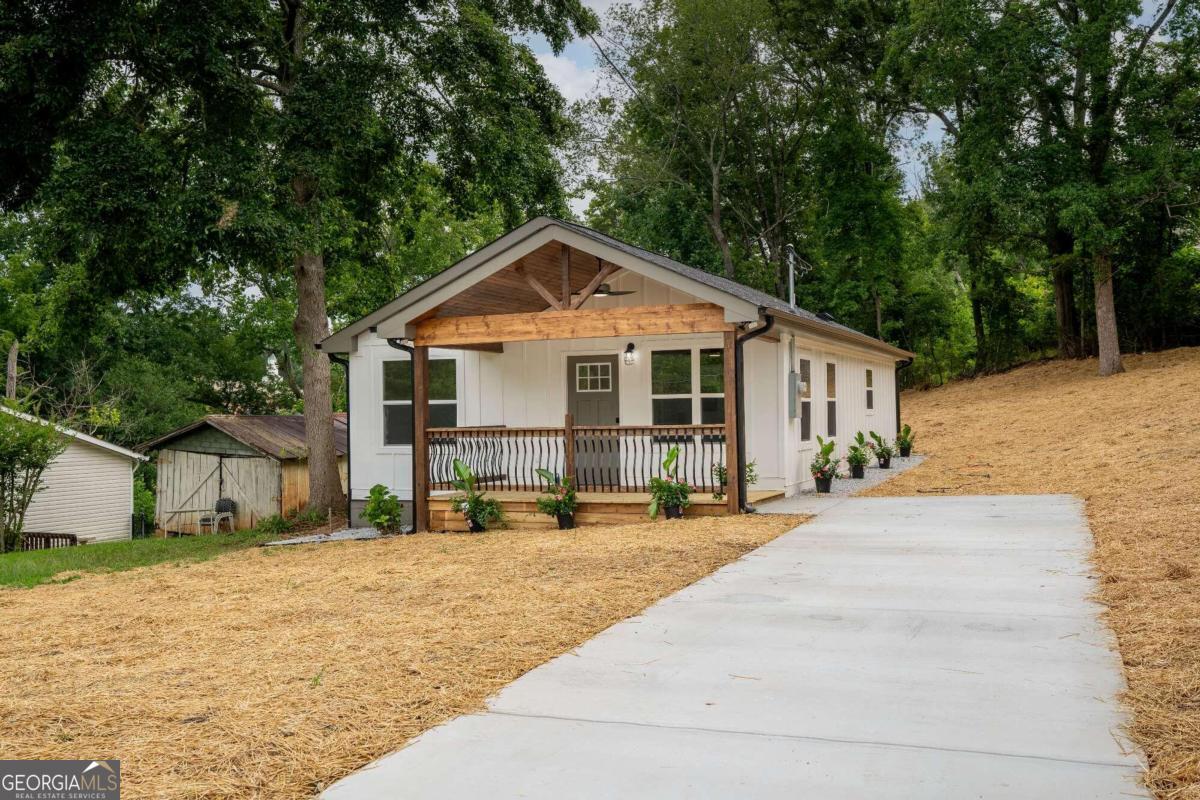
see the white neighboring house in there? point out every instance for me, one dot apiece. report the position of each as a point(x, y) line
point(556, 319)
point(87, 490)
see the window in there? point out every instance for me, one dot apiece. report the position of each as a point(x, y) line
point(674, 377)
point(806, 400)
point(831, 400)
point(397, 398)
point(870, 390)
point(595, 377)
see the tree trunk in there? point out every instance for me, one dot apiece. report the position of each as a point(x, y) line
point(1106, 316)
point(10, 372)
point(878, 315)
point(980, 333)
point(718, 229)
point(312, 325)
point(1066, 313)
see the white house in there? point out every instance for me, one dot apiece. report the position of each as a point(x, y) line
point(88, 489)
point(558, 346)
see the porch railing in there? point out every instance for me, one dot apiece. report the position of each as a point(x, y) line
point(602, 458)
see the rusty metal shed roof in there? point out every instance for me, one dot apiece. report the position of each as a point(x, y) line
point(280, 437)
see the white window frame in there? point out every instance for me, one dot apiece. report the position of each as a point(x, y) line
point(805, 398)
point(695, 395)
point(831, 399)
point(382, 403)
point(603, 376)
point(870, 386)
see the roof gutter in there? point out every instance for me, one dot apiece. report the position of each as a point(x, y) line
point(847, 336)
point(345, 363)
point(904, 364)
point(768, 322)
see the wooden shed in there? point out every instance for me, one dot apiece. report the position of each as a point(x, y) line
point(260, 462)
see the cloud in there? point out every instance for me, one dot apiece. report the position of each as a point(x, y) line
point(572, 79)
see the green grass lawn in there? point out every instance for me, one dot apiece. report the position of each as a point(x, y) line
point(41, 566)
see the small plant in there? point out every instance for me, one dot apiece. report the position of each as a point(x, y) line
point(882, 450)
point(824, 465)
point(310, 516)
point(858, 455)
point(669, 493)
point(904, 440)
point(560, 500)
point(383, 510)
point(721, 477)
point(273, 525)
point(477, 510)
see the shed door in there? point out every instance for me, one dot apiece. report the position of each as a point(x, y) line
point(189, 485)
point(593, 398)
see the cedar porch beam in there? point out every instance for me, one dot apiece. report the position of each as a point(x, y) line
point(593, 285)
point(580, 324)
point(420, 412)
point(733, 469)
point(565, 259)
point(538, 287)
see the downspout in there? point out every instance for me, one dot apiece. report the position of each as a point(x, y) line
point(345, 363)
point(768, 324)
point(398, 344)
point(896, 387)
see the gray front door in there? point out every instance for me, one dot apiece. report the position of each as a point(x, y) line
point(593, 399)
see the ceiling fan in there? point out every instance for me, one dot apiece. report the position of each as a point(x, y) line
point(604, 289)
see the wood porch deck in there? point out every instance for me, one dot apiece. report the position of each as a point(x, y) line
point(595, 508)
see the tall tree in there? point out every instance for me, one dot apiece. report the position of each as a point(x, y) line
point(269, 137)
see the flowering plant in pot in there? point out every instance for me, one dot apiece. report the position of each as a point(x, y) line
point(883, 451)
point(477, 510)
point(559, 501)
point(824, 465)
point(669, 493)
point(904, 440)
point(721, 477)
point(858, 456)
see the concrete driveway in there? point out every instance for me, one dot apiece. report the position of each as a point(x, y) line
point(894, 648)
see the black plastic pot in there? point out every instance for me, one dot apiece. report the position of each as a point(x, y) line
point(566, 522)
point(475, 527)
point(857, 470)
point(823, 485)
point(885, 463)
point(674, 512)
point(905, 452)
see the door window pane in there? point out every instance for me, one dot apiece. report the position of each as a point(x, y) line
point(830, 381)
point(806, 377)
point(673, 411)
point(831, 412)
point(671, 372)
point(595, 377)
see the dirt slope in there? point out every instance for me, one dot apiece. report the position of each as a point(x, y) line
point(1130, 446)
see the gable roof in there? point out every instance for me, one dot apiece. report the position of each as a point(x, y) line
point(732, 291)
point(77, 436)
point(279, 437)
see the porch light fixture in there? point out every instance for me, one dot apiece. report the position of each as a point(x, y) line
point(630, 354)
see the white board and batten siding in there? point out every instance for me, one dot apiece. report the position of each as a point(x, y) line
point(88, 491)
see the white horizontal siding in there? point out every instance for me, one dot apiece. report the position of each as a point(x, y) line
point(88, 492)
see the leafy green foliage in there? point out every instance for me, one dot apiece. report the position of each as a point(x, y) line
point(274, 525)
point(858, 455)
point(824, 464)
point(383, 510)
point(671, 491)
point(904, 439)
point(27, 447)
point(560, 497)
point(880, 447)
point(475, 507)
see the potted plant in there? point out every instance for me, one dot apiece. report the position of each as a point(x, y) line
point(824, 465)
point(858, 456)
point(383, 510)
point(721, 477)
point(904, 440)
point(477, 510)
point(883, 451)
point(559, 501)
point(669, 493)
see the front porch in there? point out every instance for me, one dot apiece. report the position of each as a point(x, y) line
point(595, 508)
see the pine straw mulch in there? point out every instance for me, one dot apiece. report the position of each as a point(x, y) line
point(1130, 446)
point(272, 672)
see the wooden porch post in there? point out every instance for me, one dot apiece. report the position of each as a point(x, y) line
point(733, 469)
point(420, 376)
point(569, 448)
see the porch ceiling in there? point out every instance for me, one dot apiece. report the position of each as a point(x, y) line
point(508, 292)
